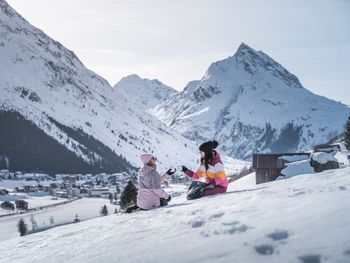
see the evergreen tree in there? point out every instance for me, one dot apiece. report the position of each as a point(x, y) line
point(104, 210)
point(347, 134)
point(76, 219)
point(22, 227)
point(128, 195)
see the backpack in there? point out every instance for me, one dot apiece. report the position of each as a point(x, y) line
point(196, 188)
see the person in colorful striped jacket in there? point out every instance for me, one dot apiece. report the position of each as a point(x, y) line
point(211, 168)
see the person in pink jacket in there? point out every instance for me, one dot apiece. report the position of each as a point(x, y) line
point(150, 194)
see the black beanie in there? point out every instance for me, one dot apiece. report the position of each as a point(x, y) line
point(208, 146)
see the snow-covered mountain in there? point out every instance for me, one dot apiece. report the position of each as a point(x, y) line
point(250, 103)
point(303, 219)
point(144, 93)
point(58, 116)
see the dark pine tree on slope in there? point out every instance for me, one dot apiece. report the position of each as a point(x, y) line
point(104, 210)
point(22, 227)
point(347, 134)
point(128, 196)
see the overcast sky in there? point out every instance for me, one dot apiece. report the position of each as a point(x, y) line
point(175, 41)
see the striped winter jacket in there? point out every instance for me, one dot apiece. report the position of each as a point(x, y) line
point(214, 175)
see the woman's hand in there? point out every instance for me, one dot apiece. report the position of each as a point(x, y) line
point(184, 169)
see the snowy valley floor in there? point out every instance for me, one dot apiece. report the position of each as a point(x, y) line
point(301, 219)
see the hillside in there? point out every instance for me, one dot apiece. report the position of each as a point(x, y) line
point(302, 219)
point(57, 111)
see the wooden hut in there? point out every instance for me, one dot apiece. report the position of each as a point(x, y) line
point(21, 204)
point(268, 166)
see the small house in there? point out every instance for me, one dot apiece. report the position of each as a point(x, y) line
point(60, 193)
point(100, 192)
point(8, 205)
point(21, 204)
point(4, 192)
point(20, 189)
point(269, 166)
point(74, 192)
point(31, 188)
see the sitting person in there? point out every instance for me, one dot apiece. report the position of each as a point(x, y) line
point(150, 194)
point(211, 168)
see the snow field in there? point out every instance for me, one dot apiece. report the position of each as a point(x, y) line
point(301, 219)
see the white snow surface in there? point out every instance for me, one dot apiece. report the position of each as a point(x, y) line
point(243, 183)
point(293, 158)
point(323, 157)
point(86, 208)
point(297, 168)
point(301, 219)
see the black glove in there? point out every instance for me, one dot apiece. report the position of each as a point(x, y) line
point(169, 172)
point(169, 199)
point(185, 169)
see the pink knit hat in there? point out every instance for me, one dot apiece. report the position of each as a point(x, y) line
point(146, 157)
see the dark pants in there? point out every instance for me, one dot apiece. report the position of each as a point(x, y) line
point(163, 202)
point(130, 209)
point(213, 191)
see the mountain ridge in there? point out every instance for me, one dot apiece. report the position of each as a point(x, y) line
point(43, 81)
point(251, 103)
point(143, 92)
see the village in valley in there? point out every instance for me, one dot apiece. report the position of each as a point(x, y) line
point(46, 201)
point(67, 186)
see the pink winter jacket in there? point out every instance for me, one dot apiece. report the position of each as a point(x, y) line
point(149, 188)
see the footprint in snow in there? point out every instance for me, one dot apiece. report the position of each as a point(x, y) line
point(347, 253)
point(198, 223)
point(218, 215)
point(264, 249)
point(310, 259)
point(236, 229)
point(342, 188)
point(278, 235)
point(231, 223)
point(196, 212)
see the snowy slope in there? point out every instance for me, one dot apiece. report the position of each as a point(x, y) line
point(302, 219)
point(85, 208)
point(47, 84)
point(250, 103)
point(144, 93)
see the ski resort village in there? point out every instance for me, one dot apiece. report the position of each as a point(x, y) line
point(247, 162)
